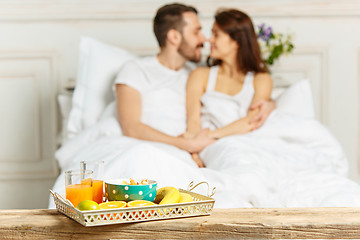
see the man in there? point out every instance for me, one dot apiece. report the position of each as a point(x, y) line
point(151, 91)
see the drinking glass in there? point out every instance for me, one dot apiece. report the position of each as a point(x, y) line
point(78, 186)
point(98, 182)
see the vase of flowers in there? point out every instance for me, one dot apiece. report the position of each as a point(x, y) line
point(273, 45)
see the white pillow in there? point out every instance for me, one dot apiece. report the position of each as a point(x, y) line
point(98, 65)
point(297, 100)
point(64, 101)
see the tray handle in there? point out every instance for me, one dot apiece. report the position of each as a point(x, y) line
point(210, 193)
point(59, 197)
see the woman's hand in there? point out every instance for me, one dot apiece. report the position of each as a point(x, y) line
point(188, 135)
point(197, 160)
point(265, 108)
point(197, 142)
point(195, 156)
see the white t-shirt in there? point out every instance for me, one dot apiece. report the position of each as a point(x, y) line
point(163, 93)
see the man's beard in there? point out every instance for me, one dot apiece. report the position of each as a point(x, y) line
point(188, 52)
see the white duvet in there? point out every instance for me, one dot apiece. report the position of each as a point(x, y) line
point(289, 162)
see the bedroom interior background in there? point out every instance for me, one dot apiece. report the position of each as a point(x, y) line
point(39, 56)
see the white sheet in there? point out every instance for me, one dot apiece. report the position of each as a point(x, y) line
point(289, 162)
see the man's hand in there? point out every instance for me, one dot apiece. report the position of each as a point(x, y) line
point(265, 108)
point(197, 160)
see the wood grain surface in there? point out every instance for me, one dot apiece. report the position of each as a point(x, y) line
point(286, 223)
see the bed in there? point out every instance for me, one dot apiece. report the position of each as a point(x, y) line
point(292, 161)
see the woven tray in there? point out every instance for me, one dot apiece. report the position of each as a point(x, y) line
point(201, 206)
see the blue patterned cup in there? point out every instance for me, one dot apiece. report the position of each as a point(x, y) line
point(115, 190)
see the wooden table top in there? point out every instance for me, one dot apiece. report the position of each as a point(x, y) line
point(267, 223)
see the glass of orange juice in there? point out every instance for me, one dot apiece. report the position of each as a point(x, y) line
point(98, 182)
point(78, 186)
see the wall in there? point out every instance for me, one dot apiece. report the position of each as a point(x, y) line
point(38, 56)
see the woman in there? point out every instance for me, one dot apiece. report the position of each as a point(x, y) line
point(236, 78)
point(293, 161)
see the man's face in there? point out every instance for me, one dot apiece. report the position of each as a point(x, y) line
point(192, 38)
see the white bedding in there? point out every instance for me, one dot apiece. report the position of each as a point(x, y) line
point(289, 162)
point(292, 161)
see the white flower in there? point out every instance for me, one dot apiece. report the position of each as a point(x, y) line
point(273, 45)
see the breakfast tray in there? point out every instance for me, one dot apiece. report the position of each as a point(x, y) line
point(201, 206)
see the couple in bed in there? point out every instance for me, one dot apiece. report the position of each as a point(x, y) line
point(287, 161)
point(175, 120)
point(223, 93)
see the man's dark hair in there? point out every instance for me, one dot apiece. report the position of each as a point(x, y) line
point(170, 17)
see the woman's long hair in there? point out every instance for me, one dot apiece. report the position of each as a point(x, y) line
point(240, 28)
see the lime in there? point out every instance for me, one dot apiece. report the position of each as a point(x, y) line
point(88, 205)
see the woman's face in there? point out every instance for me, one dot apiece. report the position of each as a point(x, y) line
point(222, 46)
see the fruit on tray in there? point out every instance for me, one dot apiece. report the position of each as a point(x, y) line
point(112, 204)
point(88, 205)
point(140, 203)
point(185, 197)
point(167, 195)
